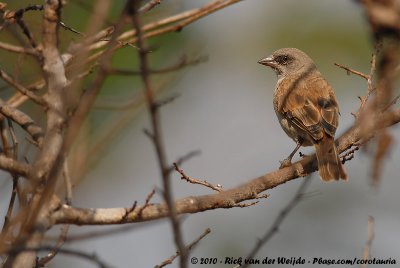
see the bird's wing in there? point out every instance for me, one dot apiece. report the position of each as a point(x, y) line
point(326, 103)
point(311, 106)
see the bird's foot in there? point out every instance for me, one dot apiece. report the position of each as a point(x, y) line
point(285, 163)
point(302, 155)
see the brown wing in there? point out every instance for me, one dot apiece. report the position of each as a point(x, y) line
point(310, 104)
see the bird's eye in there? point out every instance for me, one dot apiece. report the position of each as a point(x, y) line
point(283, 59)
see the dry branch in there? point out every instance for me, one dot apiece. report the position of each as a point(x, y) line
point(188, 248)
point(153, 110)
point(96, 48)
point(11, 165)
point(18, 49)
point(278, 221)
point(225, 199)
point(22, 119)
point(368, 244)
point(217, 187)
point(149, 6)
point(39, 100)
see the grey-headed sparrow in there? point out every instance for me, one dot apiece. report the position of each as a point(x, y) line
point(306, 108)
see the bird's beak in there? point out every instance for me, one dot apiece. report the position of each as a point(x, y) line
point(268, 61)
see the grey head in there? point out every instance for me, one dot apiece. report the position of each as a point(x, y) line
point(287, 61)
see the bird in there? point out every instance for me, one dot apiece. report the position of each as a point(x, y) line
point(307, 109)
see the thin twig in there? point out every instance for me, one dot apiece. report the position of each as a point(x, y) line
point(68, 183)
point(107, 232)
point(391, 103)
point(4, 129)
point(10, 208)
point(278, 221)
point(204, 11)
point(369, 78)
point(133, 102)
point(229, 197)
point(13, 139)
point(91, 257)
point(56, 249)
point(245, 205)
point(88, 98)
point(48, 161)
point(368, 244)
point(349, 154)
point(39, 100)
point(128, 211)
point(5, 137)
point(149, 6)
point(17, 17)
point(18, 49)
point(182, 63)
point(188, 248)
point(64, 229)
point(97, 42)
point(11, 165)
point(22, 119)
point(133, 207)
point(88, 40)
point(69, 28)
point(148, 134)
point(183, 158)
point(167, 100)
point(217, 187)
point(147, 201)
point(349, 70)
point(373, 67)
point(14, 175)
point(156, 129)
point(185, 18)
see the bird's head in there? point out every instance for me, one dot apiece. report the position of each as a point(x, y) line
point(287, 61)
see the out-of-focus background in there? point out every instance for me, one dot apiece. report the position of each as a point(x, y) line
point(225, 111)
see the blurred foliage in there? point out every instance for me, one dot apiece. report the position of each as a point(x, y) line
point(118, 91)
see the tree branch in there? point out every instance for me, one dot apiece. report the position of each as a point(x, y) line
point(10, 165)
point(225, 199)
point(24, 121)
point(153, 109)
point(278, 221)
point(188, 248)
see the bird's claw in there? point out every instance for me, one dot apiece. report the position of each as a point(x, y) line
point(285, 163)
point(302, 155)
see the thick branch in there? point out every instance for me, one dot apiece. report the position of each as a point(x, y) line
point(24, 121)
point(45, 168)
point(225, 199)
point(13, 166)
point(18, 49)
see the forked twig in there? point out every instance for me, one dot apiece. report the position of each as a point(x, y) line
point(368, 244)
point(56, 249)
point(367, 77)
point(188, 248)
point(156, 130)
point(146, 202)
point(278, 221)
point(217, 187)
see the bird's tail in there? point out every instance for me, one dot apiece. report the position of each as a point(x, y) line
point(329, 165)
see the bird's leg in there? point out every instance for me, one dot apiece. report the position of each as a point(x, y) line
point(288, 161)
